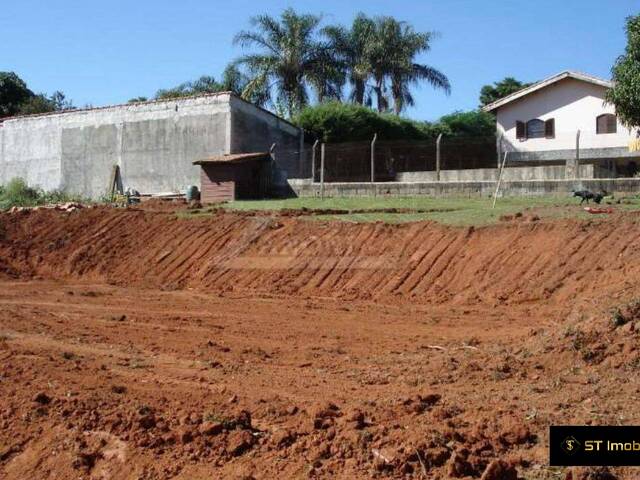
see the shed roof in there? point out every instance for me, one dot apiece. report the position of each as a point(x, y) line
point(231, 158)
point(545, 83)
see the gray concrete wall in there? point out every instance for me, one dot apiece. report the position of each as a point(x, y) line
point(154, 143)
point(551, 172)
point(627, 186)
point(255, 130)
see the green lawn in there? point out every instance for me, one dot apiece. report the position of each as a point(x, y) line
point(450, 211)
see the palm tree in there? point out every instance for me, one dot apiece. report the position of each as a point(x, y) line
point(395, 49)
point(291, 58)
point(352, 47)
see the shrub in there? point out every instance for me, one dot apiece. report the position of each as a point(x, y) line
point(342, 122)
point(335, 122)
point(17, 193)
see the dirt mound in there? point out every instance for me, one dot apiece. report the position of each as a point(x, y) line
point(422, 262)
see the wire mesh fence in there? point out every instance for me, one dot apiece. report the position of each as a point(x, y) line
point(452, 156)
point(353, 161)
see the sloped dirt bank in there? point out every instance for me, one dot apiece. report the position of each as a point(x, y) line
point(421, 262)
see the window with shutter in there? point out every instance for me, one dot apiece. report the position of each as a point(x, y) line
point(520, 133)
point(606, 123)
point(550, 128)
point(535, 128)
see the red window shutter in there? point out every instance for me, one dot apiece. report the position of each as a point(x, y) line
point(550, 128)
point(520, 130)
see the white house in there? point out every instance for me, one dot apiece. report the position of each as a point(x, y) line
point(562, 118)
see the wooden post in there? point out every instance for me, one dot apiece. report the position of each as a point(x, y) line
point(495, 195)
point(313, 161)
point(577, 174)
point(322, 170)
point(438, 157)
point(572, 166)
point(373, 158)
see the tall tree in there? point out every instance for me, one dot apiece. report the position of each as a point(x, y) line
point(625, 94)
point(353, 46)
point(404, 71)
point(507, 86)
point(290, 59)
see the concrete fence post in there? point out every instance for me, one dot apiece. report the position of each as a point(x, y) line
point(322, 171)
point(438, 157)
point(373, 157)
point(313, 160)
point(499, 148)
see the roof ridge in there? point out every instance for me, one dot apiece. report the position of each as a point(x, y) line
point(585, 77)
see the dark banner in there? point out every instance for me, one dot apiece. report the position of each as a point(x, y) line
point(594, 446)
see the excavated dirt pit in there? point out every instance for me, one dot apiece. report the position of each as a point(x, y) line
point(135, 345)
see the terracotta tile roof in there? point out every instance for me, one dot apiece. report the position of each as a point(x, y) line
point(231, 158)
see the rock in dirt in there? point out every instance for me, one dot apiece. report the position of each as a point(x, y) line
point(239, 441)
point(42, 398)
point(211, 428)
point(499, 470)
point(458, 466)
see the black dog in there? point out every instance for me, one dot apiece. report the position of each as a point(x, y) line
point(586, 195)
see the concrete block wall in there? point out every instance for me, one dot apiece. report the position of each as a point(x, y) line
point(550, 172)
point(474, 189)
point(154, 143)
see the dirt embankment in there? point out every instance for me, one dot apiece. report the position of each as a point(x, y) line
point(330, 350)
point(421, 262)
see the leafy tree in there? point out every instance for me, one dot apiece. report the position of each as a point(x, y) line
point(476, 123)
point(138, 99)
point(236, 81)
point(40, 103)
point(507, 86)
point(290, 59)
point(341, 122)
point(625, 94)
point(13, 93)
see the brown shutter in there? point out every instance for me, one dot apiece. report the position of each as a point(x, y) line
point(520, 131)
point(550, 128)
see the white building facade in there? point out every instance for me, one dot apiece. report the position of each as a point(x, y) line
point(566, 117)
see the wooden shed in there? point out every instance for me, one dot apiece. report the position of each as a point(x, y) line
point(234, 176)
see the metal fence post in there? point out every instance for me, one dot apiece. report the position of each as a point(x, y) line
point(373, 157)
point(322, 171)
point(438, 157)
point(313, 160)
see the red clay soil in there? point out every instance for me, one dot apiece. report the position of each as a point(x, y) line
point(137, 345)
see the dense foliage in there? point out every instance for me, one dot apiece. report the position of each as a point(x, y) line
point(625, 94)
point(507, 86)
point(17, 99)
point(340, 122)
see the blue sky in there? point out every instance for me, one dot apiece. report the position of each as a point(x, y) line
point(107, 52)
